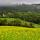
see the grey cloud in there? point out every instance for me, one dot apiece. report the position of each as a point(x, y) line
point(2, 2)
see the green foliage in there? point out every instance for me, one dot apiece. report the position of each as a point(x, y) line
point(14, 22)
point(27, 16)
point(21, 14)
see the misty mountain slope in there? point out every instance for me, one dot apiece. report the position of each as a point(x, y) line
point(23, 7)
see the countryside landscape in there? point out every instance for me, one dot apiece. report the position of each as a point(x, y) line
point(20, 15)
point(20, 22)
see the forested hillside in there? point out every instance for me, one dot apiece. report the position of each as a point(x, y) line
point(28, 13)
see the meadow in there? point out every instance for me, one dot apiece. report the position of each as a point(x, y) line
point(19, 33)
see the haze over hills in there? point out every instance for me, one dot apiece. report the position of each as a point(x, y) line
point(22, 7)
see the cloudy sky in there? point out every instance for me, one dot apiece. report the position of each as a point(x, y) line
point(7, 2)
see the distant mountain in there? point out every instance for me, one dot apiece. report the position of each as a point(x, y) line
point(23, 7)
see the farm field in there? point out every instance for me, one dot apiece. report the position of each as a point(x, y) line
point(19, 33)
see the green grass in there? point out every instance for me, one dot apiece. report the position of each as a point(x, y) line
point(36, 25)
point(19, 33)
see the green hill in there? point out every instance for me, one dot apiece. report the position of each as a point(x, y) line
point(17, 22)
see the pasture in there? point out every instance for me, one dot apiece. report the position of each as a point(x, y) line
point(19, 33)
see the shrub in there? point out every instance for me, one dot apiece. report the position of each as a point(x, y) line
point(3, 22)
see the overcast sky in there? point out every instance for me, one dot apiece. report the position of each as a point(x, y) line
point(8, 2)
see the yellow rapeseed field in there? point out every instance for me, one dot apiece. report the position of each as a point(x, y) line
point(19, 33)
